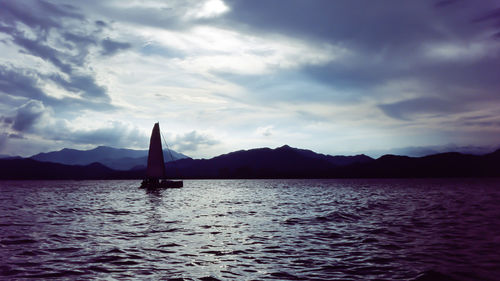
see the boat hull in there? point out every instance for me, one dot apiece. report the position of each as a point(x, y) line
point(161, 184)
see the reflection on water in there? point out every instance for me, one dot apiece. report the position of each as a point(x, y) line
point(252, 230)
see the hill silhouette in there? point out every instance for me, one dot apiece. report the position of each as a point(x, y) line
point(451, 164)
point(281, 162)
point(115, 158)
point(32, 169)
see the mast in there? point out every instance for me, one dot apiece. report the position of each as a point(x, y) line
point(156, 164)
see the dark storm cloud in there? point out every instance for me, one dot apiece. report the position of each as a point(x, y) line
point(407, 109)
point(493, 15)
point(79, 39)
point(21, 83)
point(388, 41)
point(84, 84)
point(27, 115)
point(370, 25)
point(26, 84)
point(388, 27)
point(444, 3)
point(357, 79)
point(101, 23)
point(36, 48)
point(6, 120)
point(60, 35)
point(60, 56)
point(111, 47)
point(39, 14)
point(16, 136)
point(354, 75)
point(362, 23)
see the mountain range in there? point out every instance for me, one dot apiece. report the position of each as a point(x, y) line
point(288, 162)
point(281, 162)
point(114, 158)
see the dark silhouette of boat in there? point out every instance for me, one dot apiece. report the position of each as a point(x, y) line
point(155, 173)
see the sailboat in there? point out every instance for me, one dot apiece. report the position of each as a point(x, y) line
point(155, 173)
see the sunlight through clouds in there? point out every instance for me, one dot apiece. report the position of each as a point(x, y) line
point(215, 49)
point(209, 9)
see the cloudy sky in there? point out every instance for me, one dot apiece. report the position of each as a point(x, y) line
point(337, 77)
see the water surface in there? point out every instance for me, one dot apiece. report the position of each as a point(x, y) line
point(252, 230)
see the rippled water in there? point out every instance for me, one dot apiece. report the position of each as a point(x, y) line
point(252, 230)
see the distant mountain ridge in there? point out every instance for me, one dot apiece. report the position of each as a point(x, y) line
point(281, 162)
point(449, 164)
point(5, 156)
point(29, 169)
point(338, 160)
point(287, 162)
point(115, 158)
